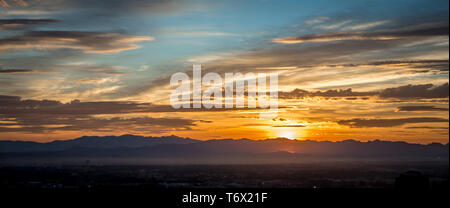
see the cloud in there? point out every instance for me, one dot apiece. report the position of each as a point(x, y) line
point(16, 24)
point(14, 105)
point(426, 127)
point(402, 92)
point(419, 108)
point(317, 20)
point(80, 123)
point(15, 71)
point(37, 116)
point(99, 69)
point(329, 38)
point(108, 7)
point(11, 106)
point(366, 26)
point(298, 94)
point(281, 55)
point(422, 65)
point(4, 3)
point(335, 25)
point(28, 12)
point(417, 91)
point(432, 65)
point(361, 123)
point(21, 3)
point(300, 56)
point(113, 7)
point(88, 42)
point(369, 35)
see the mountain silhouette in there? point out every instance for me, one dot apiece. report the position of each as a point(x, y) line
point(177, 149)
point(91, 142)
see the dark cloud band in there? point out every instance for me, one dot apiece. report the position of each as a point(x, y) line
point(372, 35)
point(362, 123)
point(39, 116)
point(402, 92)
point(419, 108)
point(16, 24)
point(15, 71)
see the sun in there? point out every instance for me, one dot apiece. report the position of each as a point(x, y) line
point(286, 132)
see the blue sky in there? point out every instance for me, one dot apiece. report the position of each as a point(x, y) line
point(196, 28)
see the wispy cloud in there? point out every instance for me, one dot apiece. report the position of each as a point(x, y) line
point(298, 94)
point(5, 3)
point(16, 24)
point(334, 26)
point(317, 20)
point(21, 2)
point(373, 35)
point(361, 123)
point(88, 42)
point(108, 7)
point(18, 12)
point(419, 108)
point(365, 26)
point(15, 71)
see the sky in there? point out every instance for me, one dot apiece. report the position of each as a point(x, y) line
point(361, 70)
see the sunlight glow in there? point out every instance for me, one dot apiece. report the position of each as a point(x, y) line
point(286, 132)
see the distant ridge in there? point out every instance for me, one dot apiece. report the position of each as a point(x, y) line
point(177, 149)
point(106, 142)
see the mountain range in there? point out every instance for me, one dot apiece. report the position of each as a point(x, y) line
point(175, 149)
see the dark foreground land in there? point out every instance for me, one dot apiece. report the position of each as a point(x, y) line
point(322, 184)
point(386, 175)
